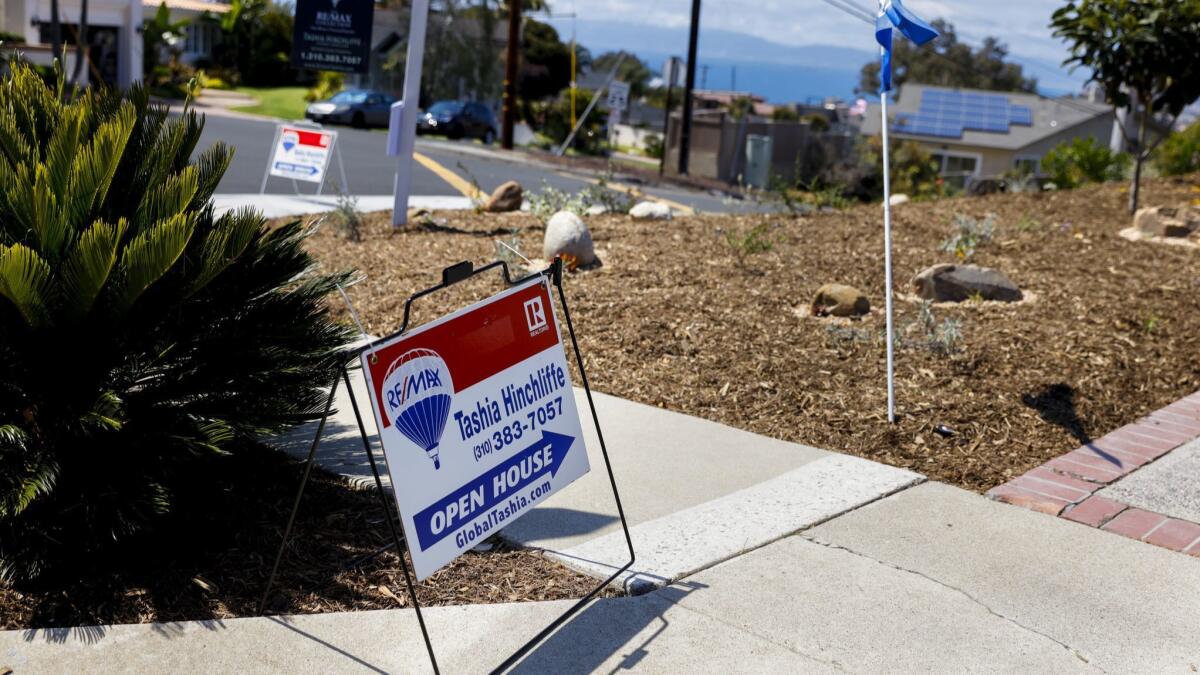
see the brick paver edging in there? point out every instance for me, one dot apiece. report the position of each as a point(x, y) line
point(1065, 486)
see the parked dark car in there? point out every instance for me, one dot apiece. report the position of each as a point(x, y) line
point(359, 107)
point(459, 120)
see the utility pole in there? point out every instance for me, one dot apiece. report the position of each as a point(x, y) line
point(685, 136)
point(510, 73)
point(704, 77)
point(733, 79)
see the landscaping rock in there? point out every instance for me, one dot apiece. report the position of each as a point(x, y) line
point(567, 235)
point(840, 300)
point(507, 197)
point(417, 215)
point(898, 199)
point(650, 211)
point(1168, 221)
point(596, 210)
point(955, 283)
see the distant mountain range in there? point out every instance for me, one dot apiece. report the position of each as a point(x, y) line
point(781, 73)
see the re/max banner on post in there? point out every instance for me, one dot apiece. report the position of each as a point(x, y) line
point(477, 419)
point(333, 35)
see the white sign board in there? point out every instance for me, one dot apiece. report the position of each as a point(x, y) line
point(618, 96)
point(477, 419)
point(302, 154)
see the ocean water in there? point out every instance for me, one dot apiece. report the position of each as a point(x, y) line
point(778, 82)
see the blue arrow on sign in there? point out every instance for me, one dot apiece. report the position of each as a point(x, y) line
point(475, 499)
point(288, 166)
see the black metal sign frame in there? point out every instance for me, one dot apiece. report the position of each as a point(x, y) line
point(450, 276)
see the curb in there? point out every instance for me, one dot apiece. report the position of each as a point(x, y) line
point(1066, 486)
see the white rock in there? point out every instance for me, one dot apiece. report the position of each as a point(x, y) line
point(898, 199)
point(650, 211)
point(566, 234)
point(596, 210)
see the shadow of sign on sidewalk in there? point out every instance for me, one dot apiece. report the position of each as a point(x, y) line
point(603, 629)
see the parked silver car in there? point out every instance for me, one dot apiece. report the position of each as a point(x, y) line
point(359, 107)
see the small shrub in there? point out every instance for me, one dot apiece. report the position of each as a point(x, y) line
point(549, 200)
point(346, 216)
point(750, 242)
point(328, 83)
point(140, 333)
point(1081, 161)
point(969, 234)
point(600, 194)
point(478, 196)
point(654, 146)
point(510, 252)
point(1028, 223)
point(943, 339)
point(1180, 152)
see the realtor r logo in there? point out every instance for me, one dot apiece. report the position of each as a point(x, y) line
point(535, 315)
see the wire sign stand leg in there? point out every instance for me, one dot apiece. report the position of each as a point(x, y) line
point(450, 276)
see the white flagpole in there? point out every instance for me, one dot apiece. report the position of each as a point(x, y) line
point(887, 258)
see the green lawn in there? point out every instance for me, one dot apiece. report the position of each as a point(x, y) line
point(284, 102)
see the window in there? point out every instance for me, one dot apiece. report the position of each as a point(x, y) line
point(200, 38)
point(956, 169)
point(1027, 165)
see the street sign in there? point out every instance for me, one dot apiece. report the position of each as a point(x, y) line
point(302, 154)
point(618, 96)
point(333, 35)
point(477, 419)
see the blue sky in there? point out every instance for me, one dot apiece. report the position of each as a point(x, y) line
point(1022, 24)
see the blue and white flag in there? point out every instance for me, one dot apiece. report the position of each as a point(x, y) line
point(892, 14)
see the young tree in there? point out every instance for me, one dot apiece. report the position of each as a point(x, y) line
point(1143, 52)
point(950, 63)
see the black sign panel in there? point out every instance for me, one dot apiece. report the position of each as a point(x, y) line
point(333, 35)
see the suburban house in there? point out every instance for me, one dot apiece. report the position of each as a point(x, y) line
point(200, 36)
point(114, 36)
point(981, 134)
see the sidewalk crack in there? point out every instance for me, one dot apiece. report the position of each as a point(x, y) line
point(1071, 650)
point(762, 636)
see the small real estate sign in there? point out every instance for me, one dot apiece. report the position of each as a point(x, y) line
point(302, 154)
point(478, 420)
point(618, 96)
point(333, 35)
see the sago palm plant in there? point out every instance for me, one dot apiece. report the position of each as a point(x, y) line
point(139, 331)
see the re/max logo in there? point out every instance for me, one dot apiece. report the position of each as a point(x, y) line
point(412, 385)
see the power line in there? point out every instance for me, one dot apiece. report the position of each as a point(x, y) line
point(861, 14)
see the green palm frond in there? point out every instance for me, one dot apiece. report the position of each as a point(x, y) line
point(149, 256)
point(24, 281)
point(225, 243)
point(170, 198)
point(96, 163)
point(88, 266)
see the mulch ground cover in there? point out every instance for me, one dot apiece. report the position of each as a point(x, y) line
point(675, 317)
point(212, 561)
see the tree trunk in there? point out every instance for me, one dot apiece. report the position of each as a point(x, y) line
point(81, 48)
point(1139, 158)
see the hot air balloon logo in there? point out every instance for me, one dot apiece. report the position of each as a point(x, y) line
point(417, 391)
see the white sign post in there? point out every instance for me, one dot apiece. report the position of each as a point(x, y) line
point(477, 419)
point(406, 116)
point(300, 154)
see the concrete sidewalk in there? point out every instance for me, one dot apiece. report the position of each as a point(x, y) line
point(932, 579)
point(695, 492)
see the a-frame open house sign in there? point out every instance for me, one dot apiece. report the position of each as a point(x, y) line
point(477, 418)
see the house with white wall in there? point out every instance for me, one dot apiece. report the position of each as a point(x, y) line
point(114, 35)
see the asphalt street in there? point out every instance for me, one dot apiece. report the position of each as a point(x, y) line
point(369, 170)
